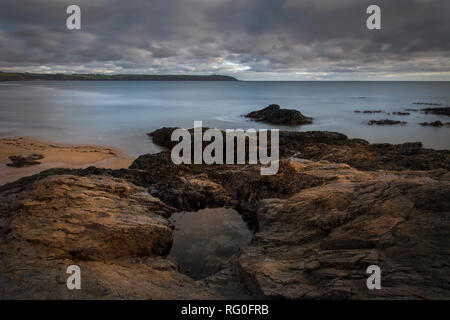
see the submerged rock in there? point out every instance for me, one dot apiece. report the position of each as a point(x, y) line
point(434, 124)
point(385, 122)
point(398, 113)
point(370, 111)
point(275, 115)
point(428, 103)
point(440, 111)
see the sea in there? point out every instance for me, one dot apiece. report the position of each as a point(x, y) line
point(121, 113)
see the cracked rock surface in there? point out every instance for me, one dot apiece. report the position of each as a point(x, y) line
point(113, 230)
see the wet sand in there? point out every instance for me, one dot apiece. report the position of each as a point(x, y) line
point(56, 155)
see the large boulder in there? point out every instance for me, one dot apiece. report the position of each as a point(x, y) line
point(275, 115)
point(116, 232)
point(318, 243)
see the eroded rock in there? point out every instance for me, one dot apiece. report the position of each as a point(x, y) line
point(318, 243)
point(113, 230)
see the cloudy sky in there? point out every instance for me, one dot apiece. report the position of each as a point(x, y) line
point(249, 39)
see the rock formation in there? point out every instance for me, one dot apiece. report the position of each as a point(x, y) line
point(21, 161)
point(275, 115)
point(336, 206)
point(113, 230)
point(323, 145)
point(318, 242)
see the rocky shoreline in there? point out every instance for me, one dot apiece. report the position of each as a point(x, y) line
point(336, 206)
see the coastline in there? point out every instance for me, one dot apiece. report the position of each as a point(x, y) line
point(57, 155)
point(20, 76)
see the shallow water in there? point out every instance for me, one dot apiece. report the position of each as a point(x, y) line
point(206, 239)
point(120, 113)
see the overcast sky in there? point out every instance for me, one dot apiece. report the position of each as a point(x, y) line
point(248, 39)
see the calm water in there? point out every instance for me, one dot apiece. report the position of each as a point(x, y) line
point(121, 113)
point(206, 239)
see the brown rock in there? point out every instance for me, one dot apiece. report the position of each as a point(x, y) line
point(318, 224)
point(114, 231)
point(319, 242)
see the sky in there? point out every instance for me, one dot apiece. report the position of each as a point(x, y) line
point(247, 39)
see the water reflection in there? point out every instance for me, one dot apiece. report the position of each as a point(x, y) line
point(205, 239)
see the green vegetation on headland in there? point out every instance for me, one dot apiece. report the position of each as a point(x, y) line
point(13, 76)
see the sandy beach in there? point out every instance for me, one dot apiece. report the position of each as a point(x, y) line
point(56, 155)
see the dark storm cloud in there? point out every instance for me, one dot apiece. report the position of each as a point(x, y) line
point(253, 39)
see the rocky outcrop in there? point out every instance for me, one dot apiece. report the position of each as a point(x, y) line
point(336, 206)
point(319, 242)
point(275, 115)
point(21, 161)
point(113, 230)
point(322, 145)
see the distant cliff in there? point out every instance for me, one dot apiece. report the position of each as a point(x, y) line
point(7, 76)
